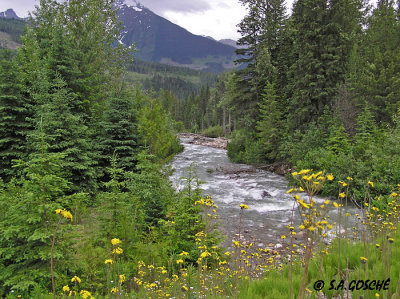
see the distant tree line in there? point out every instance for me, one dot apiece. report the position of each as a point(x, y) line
point(320, 89)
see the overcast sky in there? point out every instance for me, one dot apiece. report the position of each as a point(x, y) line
point(215, 18)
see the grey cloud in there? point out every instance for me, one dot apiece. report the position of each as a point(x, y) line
point(161, 6)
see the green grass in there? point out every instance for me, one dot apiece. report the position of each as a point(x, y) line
point(325, 267)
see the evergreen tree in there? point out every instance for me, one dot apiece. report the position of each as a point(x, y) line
point(377, 78)
point(119, 135)
point(13, 114)
point(156, 130)
point(322, 51)
point(27, 226)
point(269, 125)
point(65, 133)
point(261, 36)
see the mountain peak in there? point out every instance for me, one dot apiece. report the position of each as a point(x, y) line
point(129, 3)
point(9, 14)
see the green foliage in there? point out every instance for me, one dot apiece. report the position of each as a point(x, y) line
point(184, 219)
point(244, 148)
point(324, 267)
point(156, 130)
point(27, 224)
point(15, 28)
point(269, 126)
point(118, 132)
point(215, 131)
point(151, 188)
point(65, 133)
point(13, 113)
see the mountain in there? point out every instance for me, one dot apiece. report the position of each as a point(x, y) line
point(229, 42)
point(11, 29)
point(9, 14)
point(159, 40)
point(156, 39)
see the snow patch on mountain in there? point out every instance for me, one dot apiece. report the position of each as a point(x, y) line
point(130, 3)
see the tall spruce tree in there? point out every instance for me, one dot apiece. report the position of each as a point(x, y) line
point(269, 125)
point(13, 114)
point(377, 80)
point(119, 135)
point(322, 53)
point(66, 133)
point(261, 36)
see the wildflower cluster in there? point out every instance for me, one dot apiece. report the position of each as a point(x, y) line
point(64, 213)
point(209, 206)
point(383, 213)
point(314, 216)
point(83, 293)
point(113, 275)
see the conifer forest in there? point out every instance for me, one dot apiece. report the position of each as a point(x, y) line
point(87, 208)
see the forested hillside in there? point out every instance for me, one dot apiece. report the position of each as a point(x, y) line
point(320, 90)
point(10, 32)
point(157, 77)
point(81, 157)
point(86, 206)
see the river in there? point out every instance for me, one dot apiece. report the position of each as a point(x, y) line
point(270, 207)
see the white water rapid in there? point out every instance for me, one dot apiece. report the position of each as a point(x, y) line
point(270, 208)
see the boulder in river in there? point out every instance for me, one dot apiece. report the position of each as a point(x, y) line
point(236, 168)
point(265, 193)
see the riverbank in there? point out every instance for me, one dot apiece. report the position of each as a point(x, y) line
point(280, 168)
point(219, 142)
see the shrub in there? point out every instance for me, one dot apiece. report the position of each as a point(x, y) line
point(215, 131)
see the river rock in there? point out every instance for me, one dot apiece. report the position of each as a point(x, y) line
point(219, 142)
point(265, 194)
point(236, 168)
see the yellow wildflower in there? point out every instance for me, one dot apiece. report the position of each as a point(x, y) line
point(363, 259)
point(342, 183)
point(108, 262)
point(205, 254)
point(122, 278)
point(117, 251)
point(76, 279)
point(64, 213)
point(85, 294)
point(371, 184)
point(184, 253)
point(179, 262)
point(65, 288)
point(115, 241)
point(342, 195)
point(114, 290)
point(330, 177)
point(244, 207)
point(303, 204)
